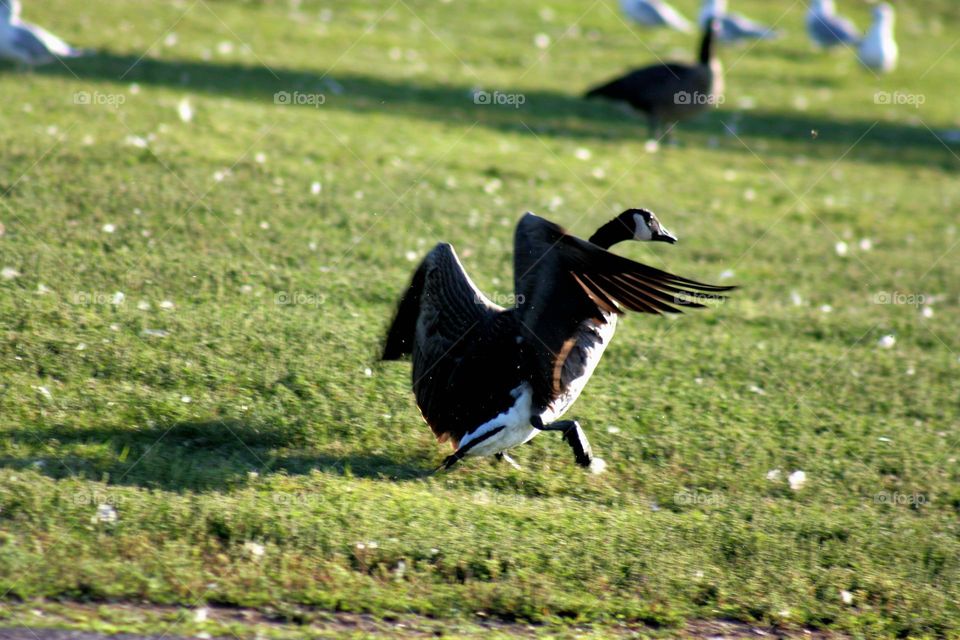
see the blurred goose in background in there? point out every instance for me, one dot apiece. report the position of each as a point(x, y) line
point(655, 13)
point(733, 27)
point(878, 50)
point(489, 378)
point(27, 44)
point(670, 92)
point(828, 29)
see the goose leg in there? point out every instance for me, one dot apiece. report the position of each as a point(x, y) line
point(668, 135)
point(573, 435)
point(513, 463)
point(653, 127)
point(450, 460)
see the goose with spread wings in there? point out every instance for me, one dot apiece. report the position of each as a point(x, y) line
point(488, 378)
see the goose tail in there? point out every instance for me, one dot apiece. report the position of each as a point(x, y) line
point(600, 90)
point(592, 93)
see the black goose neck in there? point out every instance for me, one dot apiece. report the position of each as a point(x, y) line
point(611, 233)
point(706, 45)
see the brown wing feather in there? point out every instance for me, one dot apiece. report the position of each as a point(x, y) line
point(557, 377)
point(563, 280)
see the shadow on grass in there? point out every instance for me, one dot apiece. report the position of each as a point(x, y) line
point(544, 112)
point(187, 456)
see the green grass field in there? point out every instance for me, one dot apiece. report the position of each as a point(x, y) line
point(191, 411)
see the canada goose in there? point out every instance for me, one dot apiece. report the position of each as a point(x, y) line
point(733, 27)
point(828, 29)
point(655, 13)
point(28, 44)
point(489, 378)
point(670, 92)
point(878, 50)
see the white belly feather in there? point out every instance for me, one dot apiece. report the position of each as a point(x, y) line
point(516, 420)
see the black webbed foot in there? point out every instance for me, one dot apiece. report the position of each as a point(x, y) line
point(577, 439)
point(573, 435)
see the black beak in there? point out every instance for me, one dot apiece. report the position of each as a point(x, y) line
point(665, 236)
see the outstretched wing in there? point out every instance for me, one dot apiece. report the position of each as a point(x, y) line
point(441, 317)
point(439, 308)
point(563, 281)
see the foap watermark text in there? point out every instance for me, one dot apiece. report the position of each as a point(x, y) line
point(499, 98)
point(898, 98)
point(97, 98)
point(697, 98)
point(898, 297)
point(299, 99)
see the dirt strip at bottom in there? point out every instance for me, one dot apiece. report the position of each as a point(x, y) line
point(49, 625)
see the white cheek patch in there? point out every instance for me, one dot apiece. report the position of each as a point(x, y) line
point(641, 230)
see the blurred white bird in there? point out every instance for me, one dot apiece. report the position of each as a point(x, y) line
point(28, 44)
point(655, 13)
point(826, 28)
point(879, 50)
point(733, 26)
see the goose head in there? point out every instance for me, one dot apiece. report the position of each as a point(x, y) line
point(647, 227)
point(640, 225)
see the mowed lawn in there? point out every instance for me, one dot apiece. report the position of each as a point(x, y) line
point(197, 276)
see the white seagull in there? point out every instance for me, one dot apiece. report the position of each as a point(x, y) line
point(879, 51)
point(28, 44)
point(734, 27)
point(655, 13)
point(827, 29)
